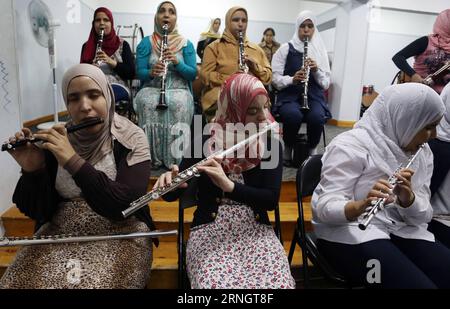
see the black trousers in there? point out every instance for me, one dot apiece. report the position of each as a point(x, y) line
point(404, 263)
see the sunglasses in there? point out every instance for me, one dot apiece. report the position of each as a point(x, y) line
point(307, 25)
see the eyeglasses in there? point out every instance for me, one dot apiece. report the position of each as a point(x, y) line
point(307, 25)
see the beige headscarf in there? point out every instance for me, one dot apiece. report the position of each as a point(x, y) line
point(94, 147)
point(227, 34)
point(176, 41)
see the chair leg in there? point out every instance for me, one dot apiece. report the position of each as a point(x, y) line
point(324, 138)
point(293, 244)
point(305, 268)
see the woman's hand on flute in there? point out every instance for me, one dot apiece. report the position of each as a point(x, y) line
point(29, 157)
point(214, 170)
point(381, 189)
point(403, 190)
point(56, 141)
point(166, 178)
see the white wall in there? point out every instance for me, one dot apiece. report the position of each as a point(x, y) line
point(389, 32)
point(9, 104)
point(262, 10)
point(191, 27)
point(34, 68)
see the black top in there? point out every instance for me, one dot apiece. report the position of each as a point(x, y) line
point(261, 191)
point(415, 48)
point(126, 69)
point(201, 45)
point(35, 194)
point(441, 163)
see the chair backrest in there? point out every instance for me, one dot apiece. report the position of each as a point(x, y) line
point(121, 93)
point(308, 177)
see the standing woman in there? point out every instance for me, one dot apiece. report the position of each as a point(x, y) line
point(79, 184)
point(440, 182)
point(115, 58)
point(288, 76)
point(221, 60)
point(268, 43)
point(209, 36)
point(232, 243)
point(182, 70)
point(396, 250)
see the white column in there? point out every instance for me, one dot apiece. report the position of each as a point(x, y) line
point(9, 104)
point(352, 27)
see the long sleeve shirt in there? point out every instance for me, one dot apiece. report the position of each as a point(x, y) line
point(186, 67)
point(281, 81)
point(35, 194)
point(348, 174)
point(417, 47)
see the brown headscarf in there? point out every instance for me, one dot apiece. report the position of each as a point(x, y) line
point(94, 147)
point(227, 34)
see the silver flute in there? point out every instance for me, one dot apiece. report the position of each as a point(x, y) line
point(304, 105)
point(379, 204)
point(99, 45)
point(189, 173)
point(62, 239)
point(242, 65)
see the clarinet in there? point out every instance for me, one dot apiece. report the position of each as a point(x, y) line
point(304, 105)
point(379, 204)
point(189, 173)
point(99, 46)
point(85, 124)
point(242, 65)
point(63, 239)
point(162, 105)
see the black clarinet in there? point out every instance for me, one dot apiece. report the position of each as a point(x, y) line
point(85, 124)
point(162, 105)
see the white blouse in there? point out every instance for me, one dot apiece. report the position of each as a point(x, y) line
point(281, 81)
point(349, 173)
point(441, 202)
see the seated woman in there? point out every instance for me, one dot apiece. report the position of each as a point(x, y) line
point(79, 184)
point(231, 243)
point(396, 250)
point(221, 60)
point(440, 182)
point(430, 53)
point(182, 69)
point(289, 76)
point(115, 58)
point(210, 35)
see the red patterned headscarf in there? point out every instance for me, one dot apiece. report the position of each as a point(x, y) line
point(236, 96)
point(111, 42)
point(441, 31)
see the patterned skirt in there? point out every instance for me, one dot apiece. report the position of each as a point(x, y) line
point(236, 252)
point(93, 265)
point(165, 128)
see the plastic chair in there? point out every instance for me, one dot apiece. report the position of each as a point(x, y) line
point(308, 177)
point(124, 105)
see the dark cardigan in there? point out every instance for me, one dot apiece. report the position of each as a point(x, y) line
point(261, 192)
point(35, 194)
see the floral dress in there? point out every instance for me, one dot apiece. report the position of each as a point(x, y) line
point(237, 252)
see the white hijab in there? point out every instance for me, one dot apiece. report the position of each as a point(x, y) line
point(390, 124)
point(316, 47)
point(443, 129)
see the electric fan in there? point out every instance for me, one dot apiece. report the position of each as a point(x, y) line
point(43, 28)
